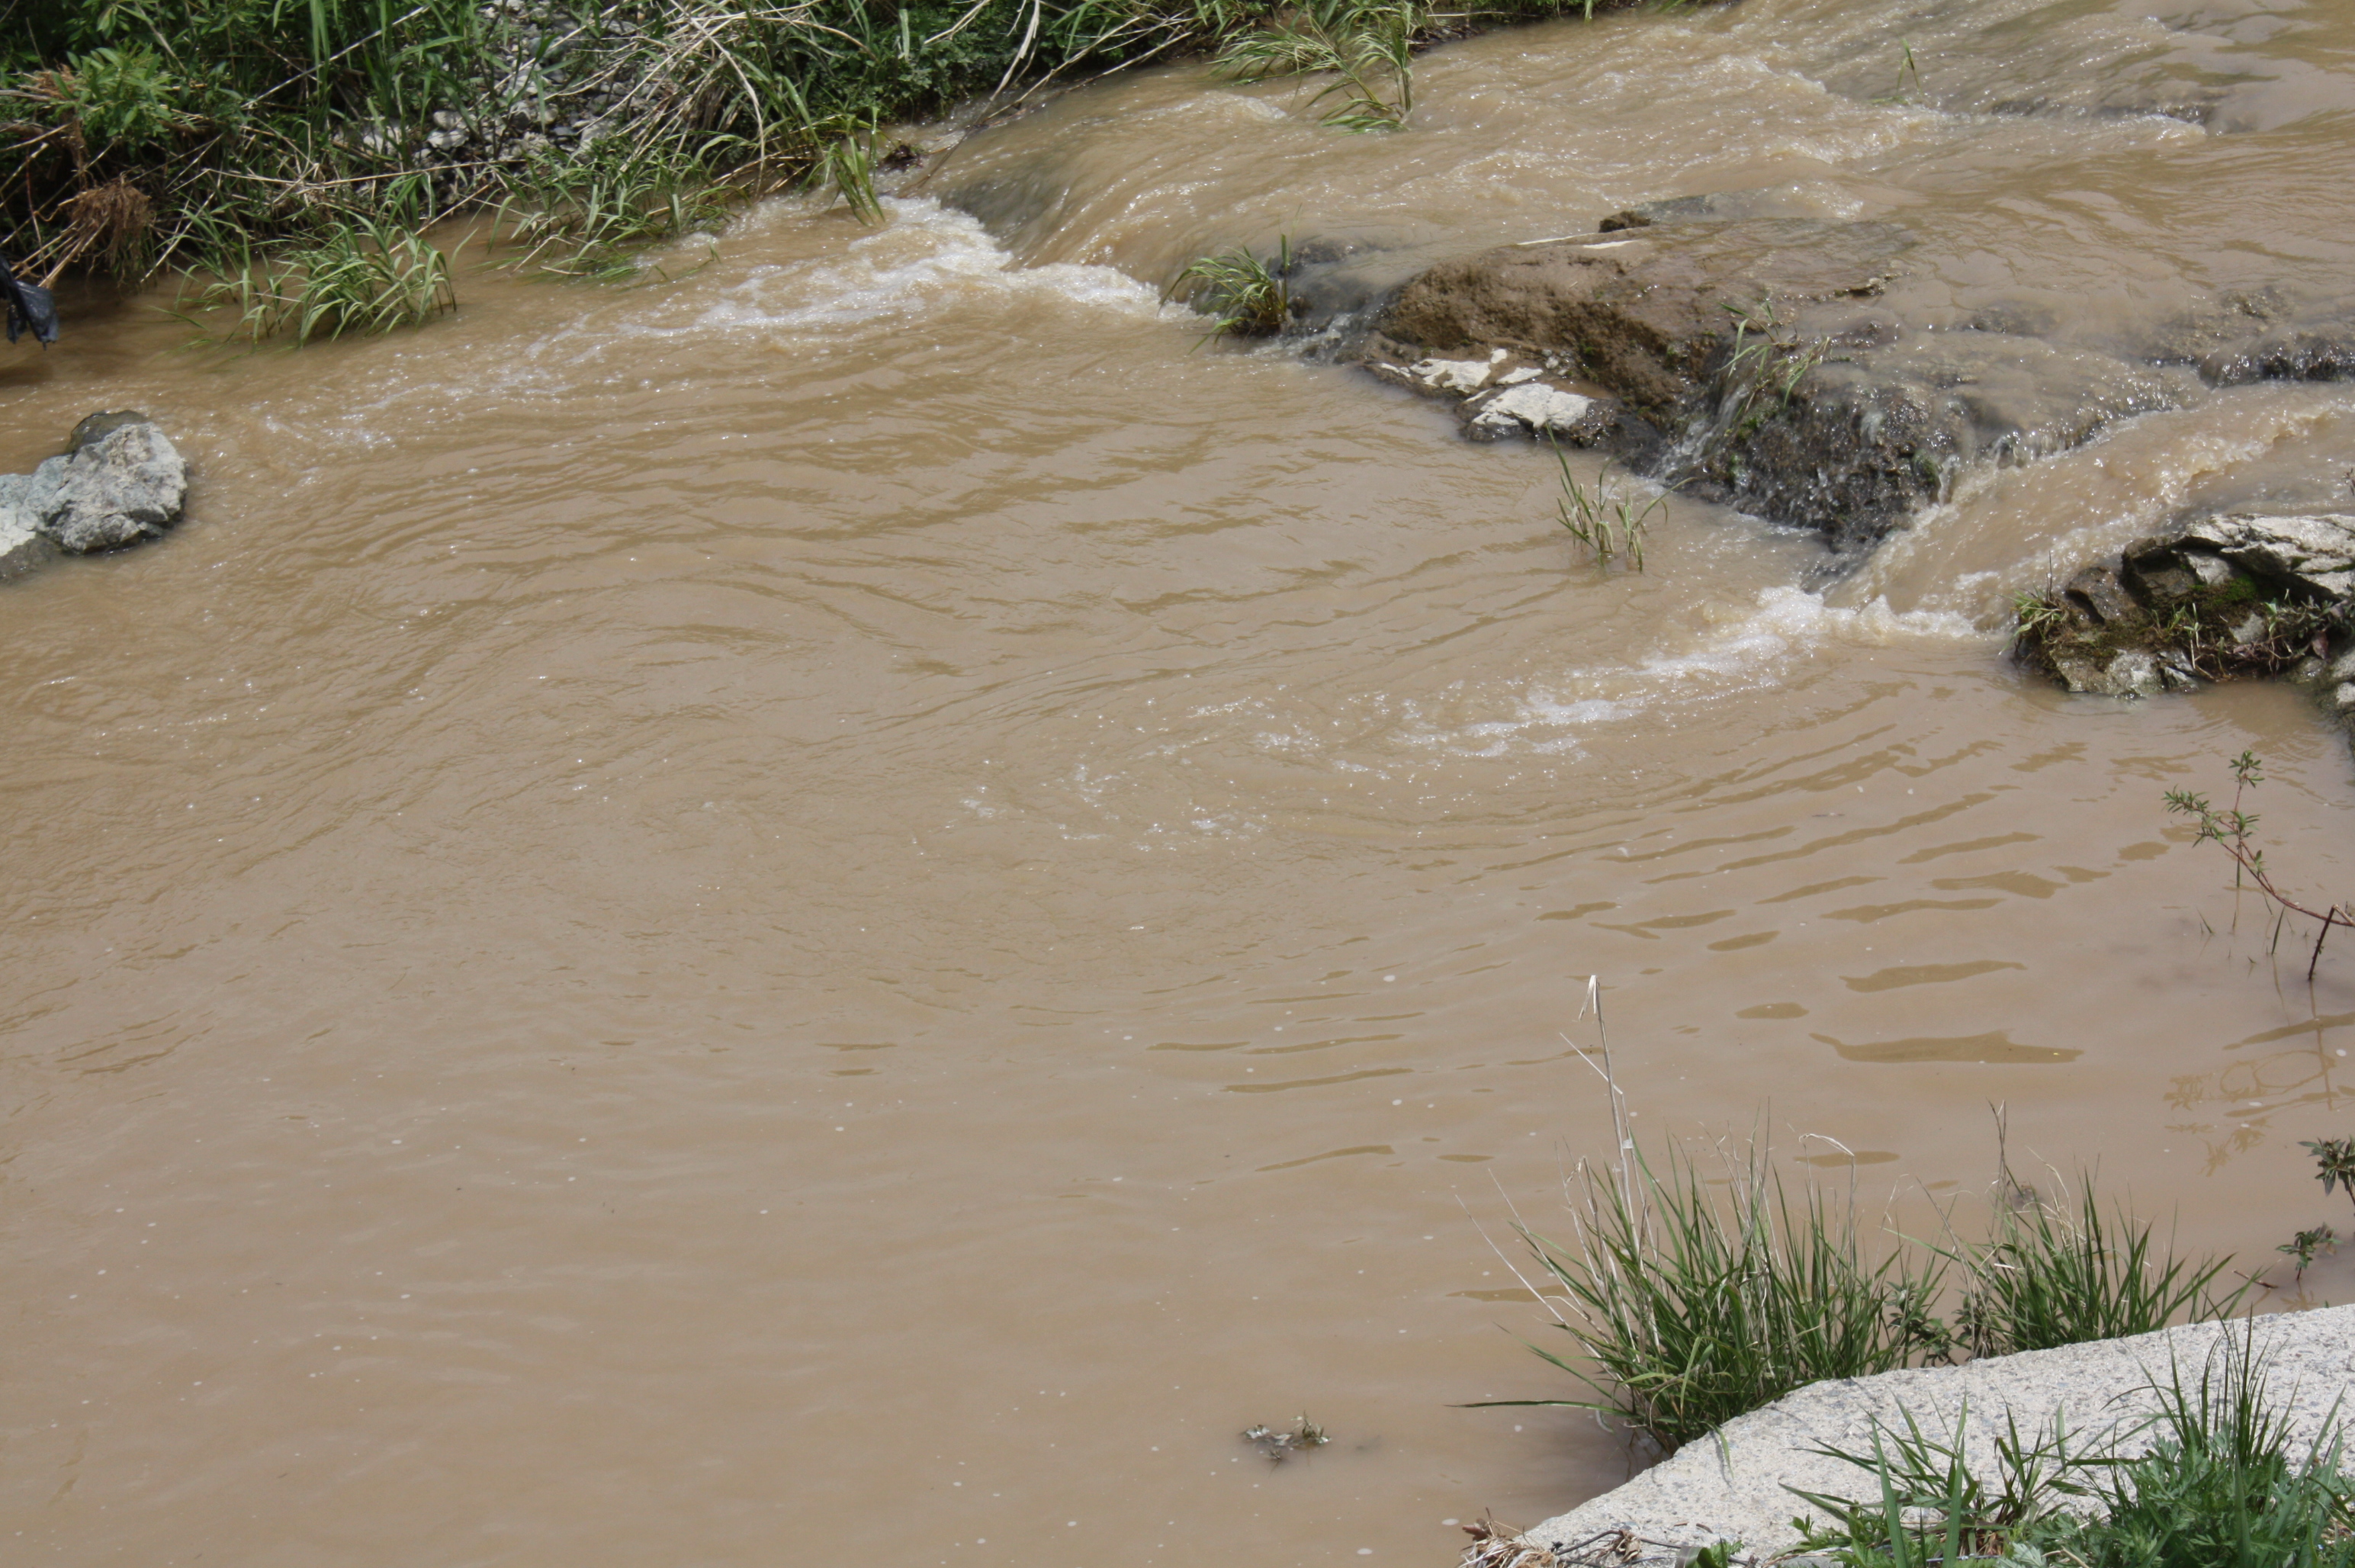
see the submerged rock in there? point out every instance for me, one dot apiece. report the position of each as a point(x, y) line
point(121, 482)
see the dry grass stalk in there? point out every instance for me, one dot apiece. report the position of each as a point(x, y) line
point(1497, 1545)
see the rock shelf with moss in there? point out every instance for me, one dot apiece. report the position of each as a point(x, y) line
point(2223, 598)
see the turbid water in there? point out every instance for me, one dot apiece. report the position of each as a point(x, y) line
point(845, 908)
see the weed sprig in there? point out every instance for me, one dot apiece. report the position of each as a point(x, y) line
point(2232, 829)
point(1605, 519)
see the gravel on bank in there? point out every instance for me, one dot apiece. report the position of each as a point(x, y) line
point(1731, 1486)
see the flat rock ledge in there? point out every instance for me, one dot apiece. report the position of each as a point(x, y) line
point(1797, 368)
point(119, 482)
point(1732, 1487)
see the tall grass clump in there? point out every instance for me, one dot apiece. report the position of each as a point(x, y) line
point(1689, 1305)
point(2053, 1275)
point(362, 277)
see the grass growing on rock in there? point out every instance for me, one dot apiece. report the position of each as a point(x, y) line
point(2214, 1480)
point(2227, 631)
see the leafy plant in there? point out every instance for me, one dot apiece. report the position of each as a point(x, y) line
point(2301, 1248)
point(2334, 1164)
point(1243, 295)
point(1367, 45)
point(120, 99)
point(2232, 827)
point(1606, 519)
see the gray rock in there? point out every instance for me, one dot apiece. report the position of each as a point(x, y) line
point(2132, 673)
point(1733, 1485)
point(2315, 550)
point(23, 546)
point(126, 483)
point(2101, 591)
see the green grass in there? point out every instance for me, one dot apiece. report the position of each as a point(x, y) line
point(1692, 1296)
point(1692, 1301)
point(1365, 45)
point(2053, 1275)
point(362, 278)
point(1605, 519)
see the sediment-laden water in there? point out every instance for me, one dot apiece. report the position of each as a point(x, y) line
point(846, 907)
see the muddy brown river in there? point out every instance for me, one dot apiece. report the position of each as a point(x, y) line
point(845, 909)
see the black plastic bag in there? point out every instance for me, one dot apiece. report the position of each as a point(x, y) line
point(29, 308)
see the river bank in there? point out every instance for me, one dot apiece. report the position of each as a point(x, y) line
point(294, 160)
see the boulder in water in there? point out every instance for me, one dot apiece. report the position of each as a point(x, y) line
point(121, 482)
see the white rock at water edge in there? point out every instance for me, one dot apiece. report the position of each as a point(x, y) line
point(1536, 408)
point(1732, 1485)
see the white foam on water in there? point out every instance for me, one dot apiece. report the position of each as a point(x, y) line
point(1754, 651)
point(925, 257)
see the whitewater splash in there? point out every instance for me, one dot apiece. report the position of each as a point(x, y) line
point(925, 256)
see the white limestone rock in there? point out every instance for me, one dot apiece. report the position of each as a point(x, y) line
point(1734, 1486)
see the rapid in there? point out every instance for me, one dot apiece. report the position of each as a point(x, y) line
point(844, 905)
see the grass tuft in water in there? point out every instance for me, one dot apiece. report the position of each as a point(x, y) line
point(1693, 1295)
point(1243, 296)
point(1605, 519)
point(2053, 1275)
point(1689, 1305)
